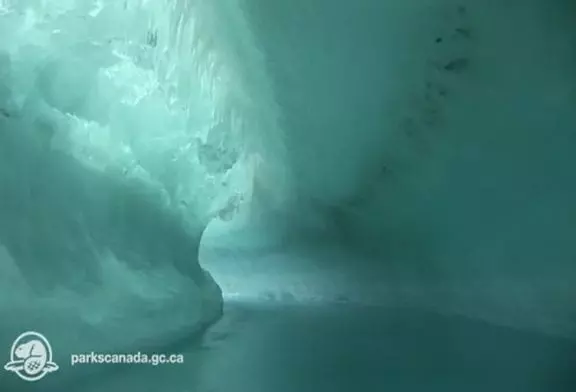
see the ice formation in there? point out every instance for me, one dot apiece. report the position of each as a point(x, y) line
point(439, 148)
point(125, 126)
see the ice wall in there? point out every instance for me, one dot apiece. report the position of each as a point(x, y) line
point(439, 138)
point(125, 126)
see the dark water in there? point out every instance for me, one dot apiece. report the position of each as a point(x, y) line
point(258, 348)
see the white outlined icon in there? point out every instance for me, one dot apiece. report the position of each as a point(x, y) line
point(31, 357)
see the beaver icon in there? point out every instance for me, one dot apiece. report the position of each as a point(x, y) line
point(32, 359)
point(34, 355)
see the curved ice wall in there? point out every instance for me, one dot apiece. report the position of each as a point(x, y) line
point(437, 137)
point(125, 126)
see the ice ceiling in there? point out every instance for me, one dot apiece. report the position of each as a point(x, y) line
point(148, 90)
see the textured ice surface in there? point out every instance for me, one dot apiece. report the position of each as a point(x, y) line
point(124, 127)
point(441, 144)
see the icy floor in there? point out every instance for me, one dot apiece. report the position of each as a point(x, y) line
point(259, 348)
point(256, 264)
point(308, 320)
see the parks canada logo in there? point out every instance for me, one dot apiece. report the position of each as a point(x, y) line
point(31, 357)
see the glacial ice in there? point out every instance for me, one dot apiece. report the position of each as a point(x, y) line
point(451, 188)
point(125, 126)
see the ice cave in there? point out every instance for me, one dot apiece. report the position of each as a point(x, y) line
point(292, 196)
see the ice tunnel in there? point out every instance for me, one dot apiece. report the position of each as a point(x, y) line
point(308, 195)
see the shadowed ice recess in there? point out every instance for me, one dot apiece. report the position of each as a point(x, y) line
point(306, 195)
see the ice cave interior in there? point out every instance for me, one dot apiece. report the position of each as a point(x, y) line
point(304, 195)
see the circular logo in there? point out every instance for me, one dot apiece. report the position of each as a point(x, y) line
point(31, 357)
